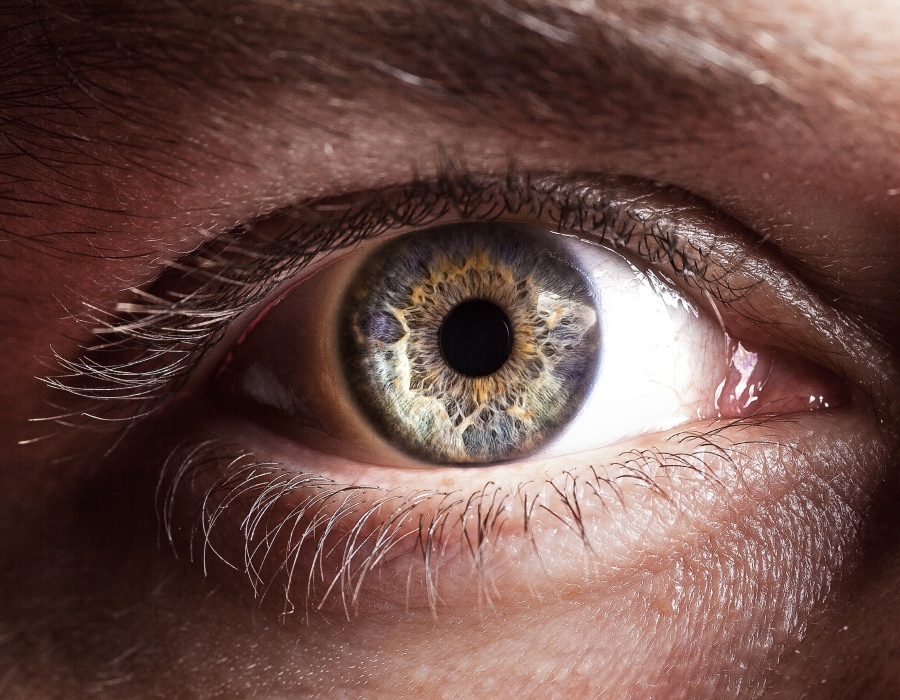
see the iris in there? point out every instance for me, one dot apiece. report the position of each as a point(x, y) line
point(470, 343)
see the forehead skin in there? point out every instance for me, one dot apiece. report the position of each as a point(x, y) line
point(134, 130)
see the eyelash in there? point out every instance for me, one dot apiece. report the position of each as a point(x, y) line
point(147, 347)
point(428, 521)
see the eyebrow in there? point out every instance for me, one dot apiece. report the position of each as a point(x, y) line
point(563, 68)
point(548, 65)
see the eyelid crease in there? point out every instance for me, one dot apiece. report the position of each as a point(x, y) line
point(148, 346)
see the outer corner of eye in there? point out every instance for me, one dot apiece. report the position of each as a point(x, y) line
point(476, 343)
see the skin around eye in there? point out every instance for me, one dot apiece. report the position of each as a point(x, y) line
point(370, 547)
point(593, 350)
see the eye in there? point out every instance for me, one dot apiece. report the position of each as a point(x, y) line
point(296, 472)
point(477, 343)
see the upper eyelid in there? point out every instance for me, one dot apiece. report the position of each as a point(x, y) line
point(147, 347)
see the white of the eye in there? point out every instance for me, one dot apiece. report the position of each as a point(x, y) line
point(660, 359)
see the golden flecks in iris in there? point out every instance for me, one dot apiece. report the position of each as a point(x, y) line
point(417, 398)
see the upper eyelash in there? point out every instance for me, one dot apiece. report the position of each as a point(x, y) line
point(145, 348)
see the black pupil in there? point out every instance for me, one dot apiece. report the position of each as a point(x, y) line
point(476, 338)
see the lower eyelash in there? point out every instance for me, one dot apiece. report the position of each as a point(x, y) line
point(286, 525)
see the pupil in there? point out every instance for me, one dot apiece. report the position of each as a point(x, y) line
point(476, 338)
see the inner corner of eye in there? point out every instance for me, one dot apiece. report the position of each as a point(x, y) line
point(480, 343)
point(763, 380)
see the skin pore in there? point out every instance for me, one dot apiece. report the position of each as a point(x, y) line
point(137, 133)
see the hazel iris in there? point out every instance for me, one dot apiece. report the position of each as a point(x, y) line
point(470, 343)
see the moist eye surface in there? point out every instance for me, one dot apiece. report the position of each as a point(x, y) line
point(469, 343)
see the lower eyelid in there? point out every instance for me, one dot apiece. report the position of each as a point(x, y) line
point(351, 540)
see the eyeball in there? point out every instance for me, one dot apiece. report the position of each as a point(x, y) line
point(479, 343)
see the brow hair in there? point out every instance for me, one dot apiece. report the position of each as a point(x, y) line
point(380, 34)
point(540, 61)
